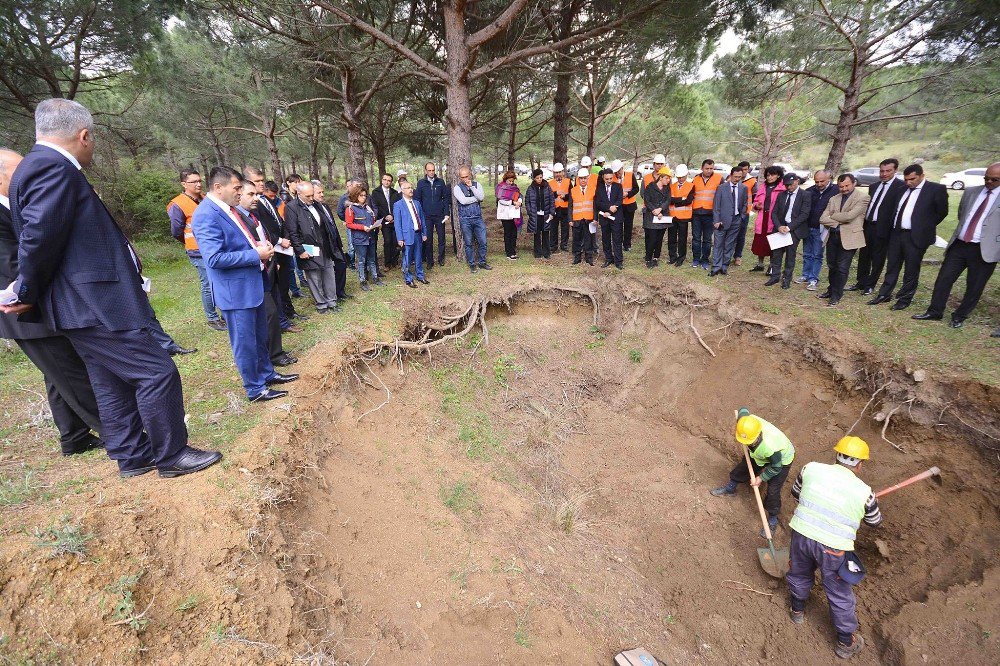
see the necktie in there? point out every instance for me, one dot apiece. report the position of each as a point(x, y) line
point(970, 230)
point(877, 200)
point(902, 207)
point(250, 234)
point(413, 212)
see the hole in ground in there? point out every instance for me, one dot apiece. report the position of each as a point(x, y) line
point(544, 496)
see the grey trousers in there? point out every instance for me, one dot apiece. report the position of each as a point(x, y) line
point(724, 245)
point(323, 285)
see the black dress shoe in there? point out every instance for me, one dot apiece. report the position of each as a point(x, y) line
point(758, 267)
point(956, 323)
point(833, 302)
point(344, 297)
point(423, 281)
point(879, 299)
point(590, 261)
point(773, 280)
point(485, 266)
point(176, 349)
point(576, 261)
point(140, 469)
point(868, 292)
point(900, 306)
point(281, 379)
point(620, 267)
point(786, 284)
point(411, 285)
point(89, 444)
point(189, 461)
point(853, 287)
point(285, 359)
point(268, 394)
point(217, 325)
point(825, 294)
point(605, 264)
point(714, 273)
point(300, 316)
point(927, 316)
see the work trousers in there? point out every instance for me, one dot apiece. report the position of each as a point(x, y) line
point(741, 236)
point(906, 255)
point(139, 395)
point(509, 238)
point(961, 256)
point(390, 245)
point(724, 241)
point(812, 254)
point(677, 240)
point(413, 261)
point(207, 298)
point(871, 258)
point(435, 226)
point(805, 556)
point(474, 230)
point(67, 385)
point(654, 243)
point(559, 231)
point(740, 474)
point(628, 213)
point(838, 262)
point(583, 241)
point(323, 284)
point(611, 236)
point(701, 236)
point(786, 254)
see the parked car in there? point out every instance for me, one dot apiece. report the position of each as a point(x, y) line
point(480, 169)
point(866, 175)
point(960, 180)
point(572, 169)
point(645, 168)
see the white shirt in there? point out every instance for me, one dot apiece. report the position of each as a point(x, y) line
point(65, 153)
point(5, 202)
point(239, 223)
point(413, 212)
point(910, 198)
point(315, 213)
point(791, 202)
point(880, 193)
point(991, 197)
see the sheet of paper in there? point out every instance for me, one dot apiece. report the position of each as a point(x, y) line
point(7, 296)
point(778, 240)
point(593, 227)
point(284, 250)
point(824, 234)
point(311, 250)
point(147, 284)
point(940, 242)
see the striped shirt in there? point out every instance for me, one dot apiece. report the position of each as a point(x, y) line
point(873, 516)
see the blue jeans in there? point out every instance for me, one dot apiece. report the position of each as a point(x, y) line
point(741, 237)
point(474, 229)
point(812, 255)
point(414, 254)
point(701, 236)
point(207, 298)
point(366, 257)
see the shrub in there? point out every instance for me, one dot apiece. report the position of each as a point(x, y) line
point(138, 199)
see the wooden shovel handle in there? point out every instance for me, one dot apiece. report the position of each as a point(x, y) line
point(933, 471)
point(756, 492)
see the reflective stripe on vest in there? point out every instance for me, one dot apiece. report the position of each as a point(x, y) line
point(187, 206)
point(704, 193)
point(583, 203)
point(627, 181)
point(560, 187)
point(682, 191)
point(831, 505)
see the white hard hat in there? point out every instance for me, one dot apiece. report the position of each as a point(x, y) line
point(616, 166)
point(681, 170)
point(602, 159)
point(659, 159)
point(401, 172)
point(585, 161)
point(558, 166)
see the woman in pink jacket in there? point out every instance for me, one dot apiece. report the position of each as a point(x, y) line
point(763, 203)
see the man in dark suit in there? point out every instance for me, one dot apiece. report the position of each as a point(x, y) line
point(237, 259)
point(919, 211)
point(885, 196)
point(383, 198)
point(729, 204)
point(71, 397)
point(790, 216)
point(608, 204)
point(434, 197)
point(975, 246)
point(339, 254)
point(313, 246)
point(79, 275)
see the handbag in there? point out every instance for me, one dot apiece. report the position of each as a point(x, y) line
point(507, 210)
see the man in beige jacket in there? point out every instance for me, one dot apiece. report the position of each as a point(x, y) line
point(844, 218)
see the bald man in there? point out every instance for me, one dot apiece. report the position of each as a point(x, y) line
point(71, 397)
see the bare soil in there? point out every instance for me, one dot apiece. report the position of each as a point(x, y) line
point(533, 488)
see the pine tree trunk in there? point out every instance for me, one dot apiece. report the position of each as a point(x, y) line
point(458, 118)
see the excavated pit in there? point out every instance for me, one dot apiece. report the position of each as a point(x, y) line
point(524, 479)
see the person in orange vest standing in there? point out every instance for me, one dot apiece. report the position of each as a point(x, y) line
point(681, 198)
point(179, 210)
point(630, 189)
point(559, 229)
point(741, 239)
point(702, 223)
point(582, 215)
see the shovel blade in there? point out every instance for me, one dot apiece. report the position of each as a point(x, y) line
point(776, 566)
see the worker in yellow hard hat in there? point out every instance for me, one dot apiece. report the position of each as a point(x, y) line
point(833, 502)
point(771, 454)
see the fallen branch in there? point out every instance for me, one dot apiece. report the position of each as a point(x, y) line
point(698, 335)
point(743, 587)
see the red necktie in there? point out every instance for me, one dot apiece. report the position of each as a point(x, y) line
point(239, 218)
point(970, 231)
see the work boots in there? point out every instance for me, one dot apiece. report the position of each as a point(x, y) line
point(847, 651)
point(725, 491)
point(772, 523)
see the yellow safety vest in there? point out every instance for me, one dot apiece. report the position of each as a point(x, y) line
point(831, 505)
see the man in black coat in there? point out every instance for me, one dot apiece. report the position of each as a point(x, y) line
point(921, 208)
point(790, 216)
point(382, 200)
point(339, 253)
point(313, 246)
point(71, 397)
point(885, 196)
point(608, 205)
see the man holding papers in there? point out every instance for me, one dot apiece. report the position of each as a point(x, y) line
point(727, 216)
point(791, 221)
point(313, 246)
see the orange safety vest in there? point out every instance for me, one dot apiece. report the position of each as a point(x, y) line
point(681, 190)
point(750, 183)
point(626, 183)
point(591, 181)
point(281, 209)
point(187, 206)
point(560, 187)
point(583, 203)
point(704, 192)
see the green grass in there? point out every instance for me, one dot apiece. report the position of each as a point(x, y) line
point(460, 497)
point(462, 389)
point(122, 592)
point(63, 540)
point(19, 489)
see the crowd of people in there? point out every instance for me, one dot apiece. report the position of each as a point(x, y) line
point(77, 302)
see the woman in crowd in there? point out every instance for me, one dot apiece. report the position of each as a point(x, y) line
point(656, 215)
point(360, 220)
point(508, 198)
point(763, 203)
point(540, 203)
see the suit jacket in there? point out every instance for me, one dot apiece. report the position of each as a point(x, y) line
point(404, 229)
point(10, 327)
point(304, 230)
point(331, 227)
point(722, 205)
point(799, 225)
point(885, 215)
point(603, 203)
point(989, 235)
point(233, 266)
point(930, 208)
point(383, 207)
point(74, 262)
point(850, 219)
point(272, 223)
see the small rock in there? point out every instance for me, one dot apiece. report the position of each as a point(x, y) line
point(883, 548)
point(418, 604)
point(919, 375)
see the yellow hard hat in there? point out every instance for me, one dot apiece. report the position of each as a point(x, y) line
point(852, 446)
point(748, 429)
point(664, 171)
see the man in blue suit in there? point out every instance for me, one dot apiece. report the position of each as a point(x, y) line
point(237, 256)
point(411, 233)
point(79, 275)
point(433, 195)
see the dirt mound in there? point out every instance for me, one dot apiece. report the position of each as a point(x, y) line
point(534, 488)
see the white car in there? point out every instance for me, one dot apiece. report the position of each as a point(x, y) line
point(963, 179)
point(645, 168)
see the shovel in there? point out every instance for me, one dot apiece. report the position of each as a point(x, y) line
point(773, 560)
